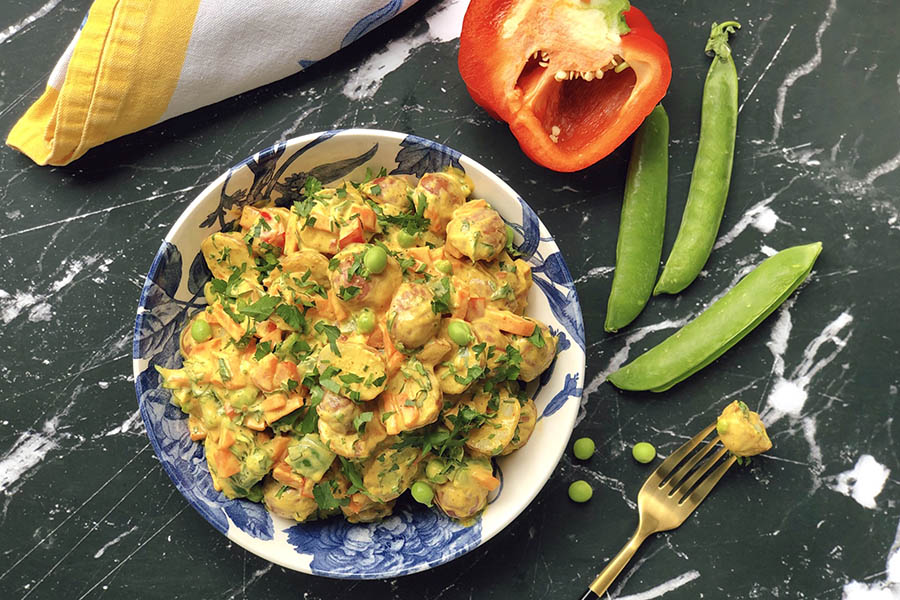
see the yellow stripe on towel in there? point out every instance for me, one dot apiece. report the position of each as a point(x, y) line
point(120, 79)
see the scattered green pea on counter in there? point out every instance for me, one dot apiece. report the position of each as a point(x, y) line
point(643, 452)
point(583, 448)
point(580, 491)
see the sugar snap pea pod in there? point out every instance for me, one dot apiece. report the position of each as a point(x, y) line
point(722, 325)
point(643, 222)
point(712, 168)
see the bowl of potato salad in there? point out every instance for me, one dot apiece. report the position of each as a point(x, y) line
point(359, 354)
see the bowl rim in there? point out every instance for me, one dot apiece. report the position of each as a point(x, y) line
point(140, 364)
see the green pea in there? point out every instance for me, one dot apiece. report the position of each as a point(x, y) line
point(365, 321)
point(583, 448)
point(200, 330)
point(443, 266)
point(642, 223)
point(405, 239)
point(711, 175)
point(459, 332)
point(643, 452)
point(375, 259)
point(422, 492)
point(510, 236)
point(580, 491)
point(722, 325)
point(434, 471)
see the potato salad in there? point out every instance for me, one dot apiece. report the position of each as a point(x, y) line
point(365, 340)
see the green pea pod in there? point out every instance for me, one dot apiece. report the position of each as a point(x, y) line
point(712, 168)
point(722, 325)
point(643, 222)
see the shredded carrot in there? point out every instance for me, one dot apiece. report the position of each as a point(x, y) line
point(462, 303)
point(366, 216)
point(485, 479)
point(226, 438)
point(279, 446)
point(394, 362)
point(197, 428)
point(234, 330)
point(324, 306)
point(421, 254)
point(254, 421)
point(510, 322)
point(283, 473)
point(227, 463)
point(292, 403)
point(290, 239)
point(376, 338)
point(273, 402)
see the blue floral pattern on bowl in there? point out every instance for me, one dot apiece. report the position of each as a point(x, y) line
point(414, 538)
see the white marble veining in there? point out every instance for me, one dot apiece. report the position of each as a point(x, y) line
point(444, 24)
point(863, 482)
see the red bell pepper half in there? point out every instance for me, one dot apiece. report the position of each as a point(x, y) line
point(572, 78)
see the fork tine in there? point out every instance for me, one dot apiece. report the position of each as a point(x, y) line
point(666, 467)
point(685, 486)
point(700, 492)
point(677, 478)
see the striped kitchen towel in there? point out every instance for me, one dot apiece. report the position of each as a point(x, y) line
point(134, 63)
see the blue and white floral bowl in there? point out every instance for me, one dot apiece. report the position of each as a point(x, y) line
point(415, 538)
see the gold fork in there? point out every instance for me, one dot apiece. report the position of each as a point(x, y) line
point(668, 498)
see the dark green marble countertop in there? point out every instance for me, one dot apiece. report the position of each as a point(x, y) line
point(87, 512)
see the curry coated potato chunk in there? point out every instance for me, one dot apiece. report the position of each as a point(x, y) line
point(225, 252)
point(503, 411)
point(390, 473)
point(389, 190)
point(356, 287)
point(527, 421)
point(537, 351)
point(288, 502)
point(410, 317)
point(477, 231)
point(361, 369)
point(443, 192)
point(465, 494)
point(412, 398)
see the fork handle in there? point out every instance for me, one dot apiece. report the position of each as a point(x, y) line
point(615, 566)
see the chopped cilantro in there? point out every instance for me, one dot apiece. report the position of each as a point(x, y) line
point(262, 349)
point(331, 333)
point(292, 316)
point(440, 304)
point(261, 309)
point(359, 423)
point(323, 493)
point(536, 338)
point(224, 370)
